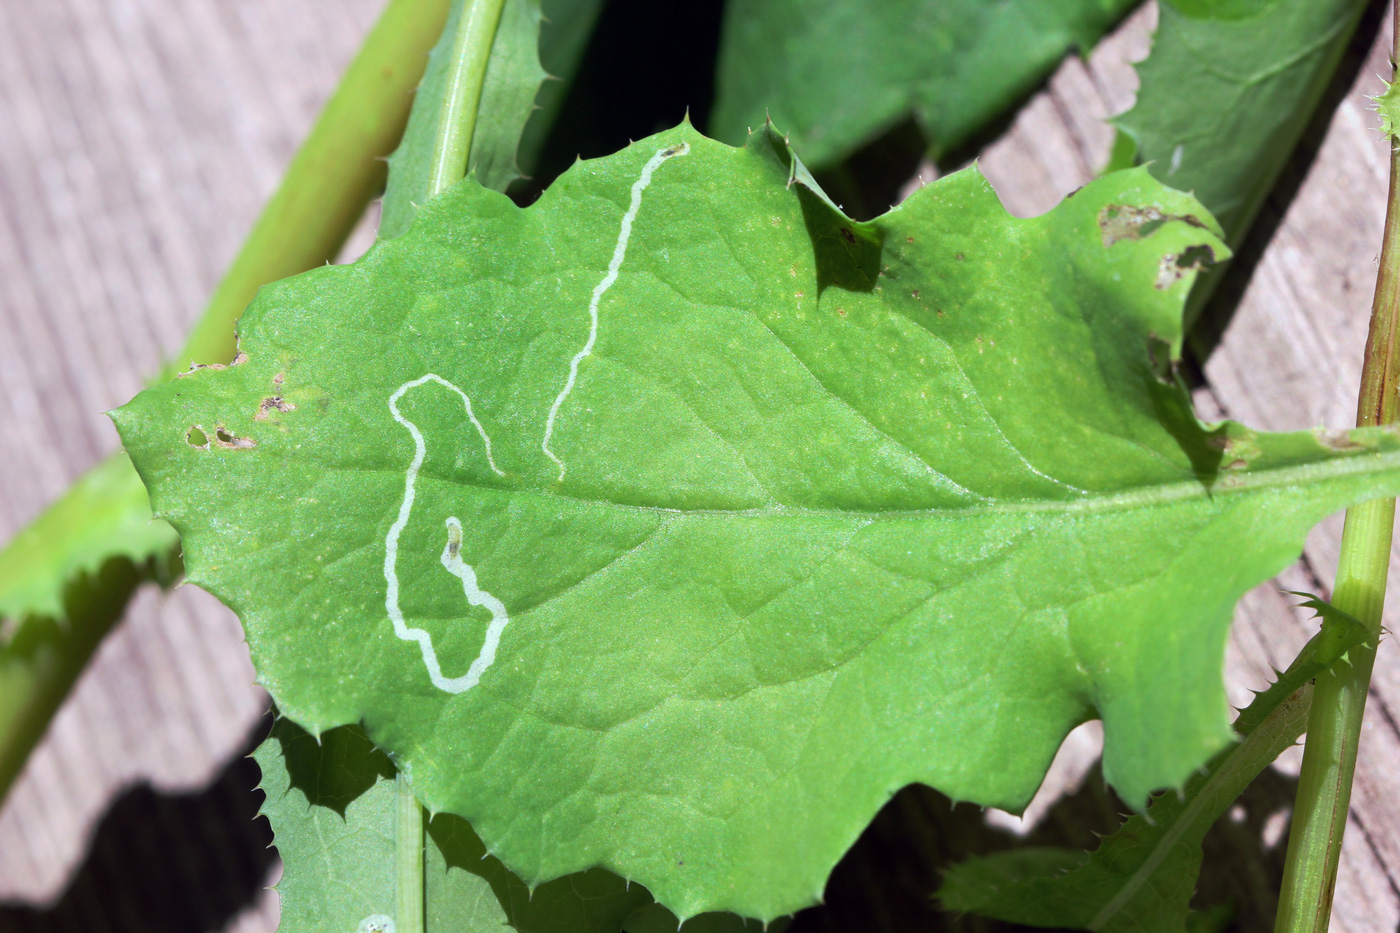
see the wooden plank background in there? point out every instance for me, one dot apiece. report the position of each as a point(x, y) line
point(138, 139)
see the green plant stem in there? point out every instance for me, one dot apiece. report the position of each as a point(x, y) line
point(332, 178)
point(1334, 728)
point(471, 51)
point(1228, 777)
point(335, 174)
point(408, 860)
point(1339, 699)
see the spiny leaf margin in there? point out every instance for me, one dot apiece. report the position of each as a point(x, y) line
point(1142, 877)
point(330, 801)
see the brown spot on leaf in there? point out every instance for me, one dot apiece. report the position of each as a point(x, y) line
point(1130, 222)
point(847, 235)
point(1243, 447)
point(239, 359)
point(270, 404)
point(1337, 440)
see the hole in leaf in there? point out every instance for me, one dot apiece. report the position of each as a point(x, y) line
point(232, 441)
point(197, 438)
point(1194, 257)
point(1174, 268)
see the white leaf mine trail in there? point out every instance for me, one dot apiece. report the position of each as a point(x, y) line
point(619, 253)
point(451, 558)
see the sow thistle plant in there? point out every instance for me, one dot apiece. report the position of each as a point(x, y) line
point(612, 560)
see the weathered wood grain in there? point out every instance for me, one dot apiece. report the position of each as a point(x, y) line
point(141, 137)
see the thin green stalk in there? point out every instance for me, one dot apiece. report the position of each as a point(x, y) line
point(1339, 699)
point(471, 50)
point(456, 111)
point(334, 175)
point(408, 860)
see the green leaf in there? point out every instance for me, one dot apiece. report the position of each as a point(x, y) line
point(564, 35)
point(1226, 93)
point(815, 510)
point(64, 581)
point(331, 803)
point(838, 74)
point(1142, 877)
point(511, 80)
point(105, 516)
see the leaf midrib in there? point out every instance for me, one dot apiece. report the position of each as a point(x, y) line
point(1148, 496)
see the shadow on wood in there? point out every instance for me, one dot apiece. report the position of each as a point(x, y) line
point(166, 863)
